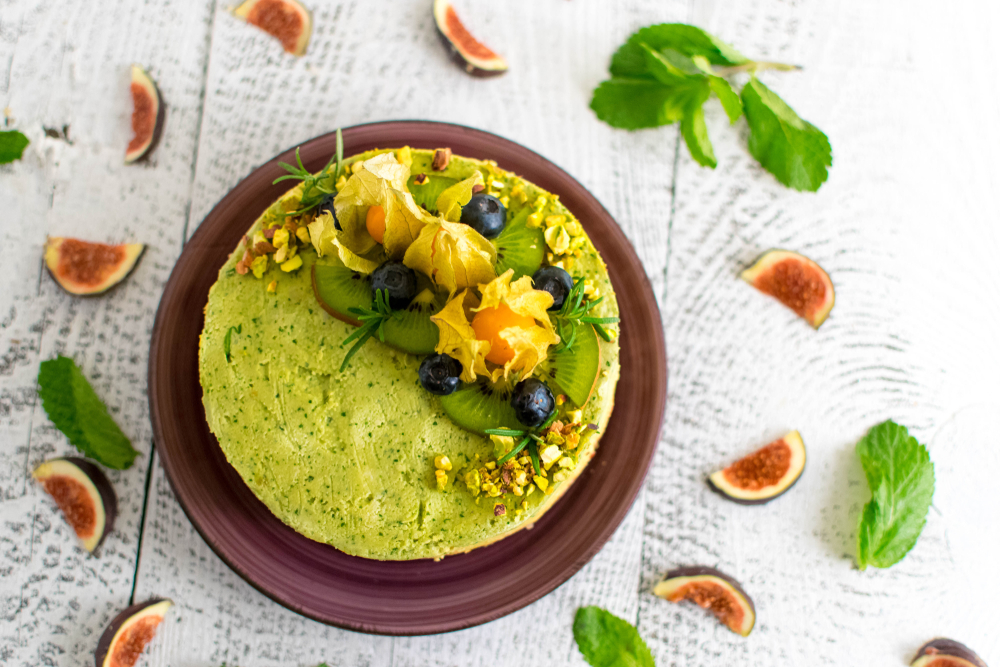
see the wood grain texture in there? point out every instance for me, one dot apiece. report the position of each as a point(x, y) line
point(906, 227)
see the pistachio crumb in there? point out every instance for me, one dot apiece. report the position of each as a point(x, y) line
point(442, 157)
point(272, 287)
point(442, 479)
point(499, 509)
point(420, 179)
point(442, 462)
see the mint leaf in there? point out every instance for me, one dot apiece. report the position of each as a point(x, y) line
point(727, 96)
point(72, 405)
point(608, 641)
point(695, 132)
point(12, 145)
point(901, 478)
point(630, 61)
point(633, 104)
point(795, 151)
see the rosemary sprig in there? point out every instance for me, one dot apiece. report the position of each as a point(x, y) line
point(372, 323)
point(575, 309)
point(316, 186)
point(529, 436)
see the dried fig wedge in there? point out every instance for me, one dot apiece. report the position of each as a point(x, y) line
point(84, 495)
point(469, 53)
point(712, 590)
point(86, 268)
point(286, 20)
point(128, 634)
point(946, 653)
point(763, 475)
point(796, 281)
point(148, 114)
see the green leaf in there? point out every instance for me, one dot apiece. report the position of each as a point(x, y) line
point(901, 478)
point(795, 151)
point(695, 132)
point(227, 340)
point(630, 61)
point(633, 104)
point(72, 405)
point(12, 145)
point(730, 99)
point(670, 67)
point(608, 641)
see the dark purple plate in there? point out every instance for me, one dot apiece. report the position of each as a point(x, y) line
point(412, 597)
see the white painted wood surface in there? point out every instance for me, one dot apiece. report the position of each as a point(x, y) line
point(907, 226)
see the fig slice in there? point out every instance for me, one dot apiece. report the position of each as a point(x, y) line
point(946, 653)
point(84, 495)
point(129, 632)
point(712, 590)
point(148, 113)
point(796, 281)
point(286, 20)
point(469, 53)
point(763, 475)
point(86, 268)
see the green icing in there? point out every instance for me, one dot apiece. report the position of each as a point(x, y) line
point(347, 458)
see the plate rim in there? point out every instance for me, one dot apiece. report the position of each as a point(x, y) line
point(571, 568)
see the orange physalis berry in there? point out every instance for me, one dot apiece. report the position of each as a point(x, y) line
point(375, 222)
point(489, 322)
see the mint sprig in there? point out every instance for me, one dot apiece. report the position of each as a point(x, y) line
point(12, 145)
point(75, 409)
point(372, 323)
point(665, 73)
point(901, 478)
point(608, 641)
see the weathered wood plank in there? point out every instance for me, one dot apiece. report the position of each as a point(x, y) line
point(67, 64)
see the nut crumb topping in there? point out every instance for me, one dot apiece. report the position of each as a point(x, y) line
point(442, 157)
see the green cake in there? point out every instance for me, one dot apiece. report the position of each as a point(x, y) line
point(381, 453)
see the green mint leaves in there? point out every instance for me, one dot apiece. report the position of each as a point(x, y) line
point(665, 73)
point(12, 145)
point(72, 405)
point(901, 478)
point(608, 641)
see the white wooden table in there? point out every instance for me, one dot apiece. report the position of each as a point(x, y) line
point(907, 226)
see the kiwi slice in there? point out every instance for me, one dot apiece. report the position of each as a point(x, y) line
point(574, 370)
point(520, 247)
point(412, 331)
point(426, 195)
point(480, 405)
point(337, 289)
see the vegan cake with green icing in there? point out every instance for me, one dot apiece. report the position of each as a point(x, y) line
point(410, 354)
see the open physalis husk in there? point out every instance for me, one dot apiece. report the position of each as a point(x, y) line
point(324, 237)
point(530, 344)
point(453, 255)
point(450, 201)
point(381, 181)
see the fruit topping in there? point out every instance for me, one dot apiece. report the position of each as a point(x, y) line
point(441, 159)
point(474, 57)
point(148, 112)
point(439, 373)
point(796, 281)
point(763, 475)
point(85, 268)
point(533, 402)
point(575, 369)
point(485, 214)
point(374, 222)
point(338, 289)
point(326, 206)
point(946, 653)
point(481, 405)
point(84, 495)
point(556, 281)
point(287, 20)
point(712, 590)
point(398, 281)
point(520, 247)
point(453, 255)
point(128, 634)
point(489, 322)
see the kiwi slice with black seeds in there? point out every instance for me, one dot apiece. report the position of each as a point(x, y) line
point(481, 405)
point(519, 246)
point(574, 370)
point(412, 330)
point(426, 195)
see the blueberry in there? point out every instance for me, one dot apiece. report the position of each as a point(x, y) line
point(398, 281)
point(439, 374)
point(532, 402)
point(556, 282)
point(326, 206)
point(485, 214)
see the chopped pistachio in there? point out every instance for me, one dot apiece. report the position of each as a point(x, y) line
point(272, 287)
point(281, 255)
point(303, 234)
point(561, 399)
point(549, 454)
point(505, 200)
point(534, 220)
point(575, 416)
point(531, 489)
point(292, 264)
point(560, 476)
point(566, 462)
point(490, 465)
point(442, 462)
point(541, 482)
point(442, 478)
point(518, 491)
point(540, 202)
point(259, 266)
point(280, 238)
point(404, 157)
point(555, 220)
point(499, 509)
point(557, 239)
